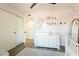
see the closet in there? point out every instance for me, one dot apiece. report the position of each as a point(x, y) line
point(11, 30)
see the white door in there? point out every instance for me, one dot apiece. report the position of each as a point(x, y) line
point(7, 28)
point(19, 30)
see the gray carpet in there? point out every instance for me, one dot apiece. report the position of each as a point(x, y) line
point(62, 49)
point(39, 52)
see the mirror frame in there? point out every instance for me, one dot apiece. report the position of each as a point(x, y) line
point(71, 27)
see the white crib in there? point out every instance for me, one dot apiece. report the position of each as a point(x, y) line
point(71, 46)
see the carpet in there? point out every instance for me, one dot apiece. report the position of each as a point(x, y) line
point(38, 52)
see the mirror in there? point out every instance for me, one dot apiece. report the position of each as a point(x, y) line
point(75, 30)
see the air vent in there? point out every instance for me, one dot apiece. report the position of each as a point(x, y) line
point(33, 5)
point(53, 3)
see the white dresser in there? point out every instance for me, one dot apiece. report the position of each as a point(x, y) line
point(44, 39)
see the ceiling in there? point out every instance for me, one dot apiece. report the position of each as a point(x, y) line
point(18, 8)
point(24, 8)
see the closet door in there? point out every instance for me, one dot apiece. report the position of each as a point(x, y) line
point(19, 30)
point(7, 29)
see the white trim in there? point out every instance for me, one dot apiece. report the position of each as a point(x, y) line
point(11, 13)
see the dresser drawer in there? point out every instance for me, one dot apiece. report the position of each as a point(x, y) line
point(52, 41)
point(52, 45)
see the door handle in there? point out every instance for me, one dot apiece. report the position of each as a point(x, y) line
point(14, 32)
point(25, 32)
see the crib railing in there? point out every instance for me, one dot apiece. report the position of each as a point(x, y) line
point(71, 47)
